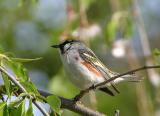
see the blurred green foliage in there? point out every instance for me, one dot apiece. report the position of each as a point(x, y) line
point(30, 27)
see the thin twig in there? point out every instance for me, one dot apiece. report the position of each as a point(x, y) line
point(129, 72)
point(13, 79)
point(83, 92)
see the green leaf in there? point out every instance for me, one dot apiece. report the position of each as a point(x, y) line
point(2, 105)
point(128, 30)
point(16, 102)
point(21, 108)
point(156, 52)
point(18, 111)
point(25, 59)
point(111, 31)
point(54, 102)
point(19, 70)
point(3, 59)
point(5, 111)
point(120, 22)
point(30, 87)
point(30, 109)
point(7, 84)
point(3, 56)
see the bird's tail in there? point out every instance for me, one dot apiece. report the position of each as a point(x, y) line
point(129, 78)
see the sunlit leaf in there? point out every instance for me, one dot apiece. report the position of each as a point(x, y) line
point(2, 104)
point(3, 59)
point(18, 111)
point(19, 70)
point(111, 31)
point(30, 87)
point(25, 59)
point(54, 102)
point(30, 109)
point(23, 95)
point(15, 103)
point(3, 56)
point(7, 84)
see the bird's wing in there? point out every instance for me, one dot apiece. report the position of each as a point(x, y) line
point(90, 57)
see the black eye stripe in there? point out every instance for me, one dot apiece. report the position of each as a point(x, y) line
point(69, 41)
point(61, 46)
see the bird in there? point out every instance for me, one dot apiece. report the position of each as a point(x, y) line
point(85, 69)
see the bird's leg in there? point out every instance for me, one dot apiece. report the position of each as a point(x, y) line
point(92, 87)
point(79, 96)
point(83, 92)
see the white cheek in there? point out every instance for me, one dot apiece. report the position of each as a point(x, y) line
point(66, 47)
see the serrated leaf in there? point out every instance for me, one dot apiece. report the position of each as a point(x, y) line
point(25, 59)
point(7, 84)
point(30, 109)
point(54, 102)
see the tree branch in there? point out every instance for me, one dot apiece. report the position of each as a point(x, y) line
point(73, 106)
point(83, 92)
point(13, 79)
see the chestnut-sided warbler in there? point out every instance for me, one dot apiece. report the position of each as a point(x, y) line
point(86, 69)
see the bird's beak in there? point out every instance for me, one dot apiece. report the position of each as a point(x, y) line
point(55, 46)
